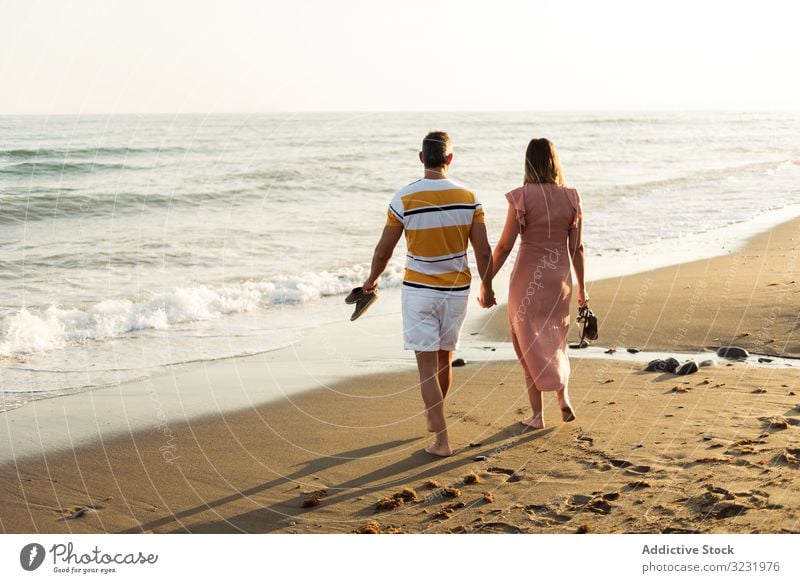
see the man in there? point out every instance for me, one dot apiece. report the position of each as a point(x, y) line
point(438, 216)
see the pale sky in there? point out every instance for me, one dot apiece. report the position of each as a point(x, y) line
point(141, 56)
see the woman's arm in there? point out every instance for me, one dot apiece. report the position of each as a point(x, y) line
point(575, 242)
point(507, 240)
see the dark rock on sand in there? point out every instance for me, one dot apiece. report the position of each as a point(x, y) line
point(665, 365)
point(459, 362)
point(732, 352)
point(688, 367)
point(764, 359)
point(634, 350)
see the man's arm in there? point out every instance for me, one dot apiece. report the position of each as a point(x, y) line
point(383, 253)
point(483, 257)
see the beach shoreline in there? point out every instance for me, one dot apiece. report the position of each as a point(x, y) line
point(330, 349)
point(210, 448)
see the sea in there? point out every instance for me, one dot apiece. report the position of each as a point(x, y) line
point(133, 243)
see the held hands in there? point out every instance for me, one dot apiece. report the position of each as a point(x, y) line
point(486, 297)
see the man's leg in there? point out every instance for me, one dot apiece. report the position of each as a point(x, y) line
point(428, 365)
point(445, 373)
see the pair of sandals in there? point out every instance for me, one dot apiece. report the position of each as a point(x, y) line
point(362, 300)
point(589, 327)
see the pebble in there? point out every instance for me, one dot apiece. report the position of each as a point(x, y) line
point(732, 352)
point(666, 365)
point(459, 362)
point(687, 367)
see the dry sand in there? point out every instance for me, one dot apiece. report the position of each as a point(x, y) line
point(717, 451)
point(750, 299)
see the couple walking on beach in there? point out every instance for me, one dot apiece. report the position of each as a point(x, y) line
point(440, 217)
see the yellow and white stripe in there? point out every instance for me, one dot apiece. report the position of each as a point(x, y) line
point(437, 216)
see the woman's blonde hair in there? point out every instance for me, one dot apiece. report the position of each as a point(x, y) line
point(541, 163)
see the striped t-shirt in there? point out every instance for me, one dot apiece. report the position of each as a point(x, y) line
point(437, 216)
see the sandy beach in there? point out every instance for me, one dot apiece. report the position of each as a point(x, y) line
point(715, 451)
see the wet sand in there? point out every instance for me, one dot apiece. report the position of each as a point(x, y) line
point(716, 451)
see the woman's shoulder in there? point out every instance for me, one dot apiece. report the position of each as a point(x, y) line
point(566, 188)
point(517, 193)
point(569, 191)
point(521, 190)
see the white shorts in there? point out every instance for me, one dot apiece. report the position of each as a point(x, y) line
point(432, 320)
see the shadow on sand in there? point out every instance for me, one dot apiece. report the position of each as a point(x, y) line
point(410, 470)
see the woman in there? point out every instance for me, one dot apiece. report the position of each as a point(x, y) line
point(547, 217)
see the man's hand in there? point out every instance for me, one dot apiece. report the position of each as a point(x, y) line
point(486, 296)
point(370, 286)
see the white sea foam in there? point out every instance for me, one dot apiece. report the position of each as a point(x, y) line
point(29, 331)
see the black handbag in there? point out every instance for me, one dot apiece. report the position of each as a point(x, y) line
point(588, 321)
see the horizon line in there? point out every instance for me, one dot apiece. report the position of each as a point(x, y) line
point(704, 109)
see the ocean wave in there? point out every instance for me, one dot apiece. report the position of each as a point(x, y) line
point(23, 204)
point(31, 331)
point(44, 153)
point(19, 206)
point(274, 175)
point(710, 175)
point(60, 168)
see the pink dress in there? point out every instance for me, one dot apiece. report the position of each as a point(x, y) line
point(541, 282)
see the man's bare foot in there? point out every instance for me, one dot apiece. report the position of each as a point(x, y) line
point(439, 449)
point(534, 422)
point(567, 414)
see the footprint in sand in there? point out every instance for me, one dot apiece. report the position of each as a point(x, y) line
point(714, 505)
point(759, 499)
point(679, 530)
point(778, 422)
point(789, 456)
point(499, 528)
point(597, 503)
point(602, 467)
point(512, 474)
point(542, 511)
point(629, 467)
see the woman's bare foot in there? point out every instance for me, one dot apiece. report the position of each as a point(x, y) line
point(534, 422)
point(567, 414)
point(439, 449)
